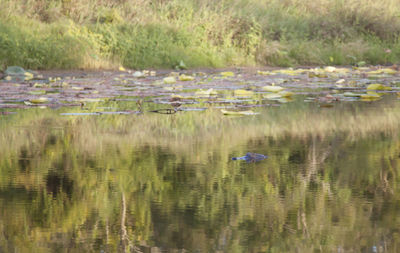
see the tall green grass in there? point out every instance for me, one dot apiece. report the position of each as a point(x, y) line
point(42, 34)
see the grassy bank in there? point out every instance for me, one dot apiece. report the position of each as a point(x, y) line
point(43, 34)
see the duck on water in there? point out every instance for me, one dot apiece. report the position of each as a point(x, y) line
point(251, 157)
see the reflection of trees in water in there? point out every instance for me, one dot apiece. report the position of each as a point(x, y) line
point(56, 183)
point(313, 193)
point(335, 184)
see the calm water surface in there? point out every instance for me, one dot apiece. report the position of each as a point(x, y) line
point(166, 183)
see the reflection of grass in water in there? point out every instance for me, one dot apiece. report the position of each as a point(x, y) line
point(296, 119)
point(211, 127)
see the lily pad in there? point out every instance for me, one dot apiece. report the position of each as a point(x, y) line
point(37, 92)
point(375, 86)
point(272, 88)
point(263, 73)
point(272, 96)
point(169, 80)
point(172, 88)
point(40, 100)
point(205, 93)
point(239, 113)
point(286, 94)
point(243, 93)
point(351, 94)
point(184, 77)
point(227, 74)
point(378, 86)
point(382, 71)
point(370, 95)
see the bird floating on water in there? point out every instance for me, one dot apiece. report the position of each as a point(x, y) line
point(251, 157)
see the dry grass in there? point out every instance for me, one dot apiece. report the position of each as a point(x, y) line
point(202, 33)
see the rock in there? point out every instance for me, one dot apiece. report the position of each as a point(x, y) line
point(16, 73)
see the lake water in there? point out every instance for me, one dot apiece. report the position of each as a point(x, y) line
point(152, 182)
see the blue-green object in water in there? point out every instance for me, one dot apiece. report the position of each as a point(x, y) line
point(251, 157)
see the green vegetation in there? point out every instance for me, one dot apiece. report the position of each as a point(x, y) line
point(42, 34)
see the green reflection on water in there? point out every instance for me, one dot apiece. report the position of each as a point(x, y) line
point(121, 183)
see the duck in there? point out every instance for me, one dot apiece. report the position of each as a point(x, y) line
point(251, 157)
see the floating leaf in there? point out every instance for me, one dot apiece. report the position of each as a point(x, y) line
point(272, 88)
point(169, 88)
point(284, 100)
point(382, 71)
point(243, 93)
point(272, 96)
point(225, 112)
point(378, 86)
point(351, 94)
point(184, 77)
point(206, 93)
point(286, 94)
point(289, 71)
point(227, 74)
point(389, 71)
point(37, 92)
point(28, 76)
point(91, 100)
point(40, 100)
point(317, 74)
point(263, 73)
point(169, 80)
point(173, 88)
point(330, 69)
point(38, 85)
point(175, 74)
point(370, 95)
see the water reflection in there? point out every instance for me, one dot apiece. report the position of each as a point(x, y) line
point(98, 185)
